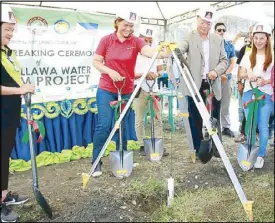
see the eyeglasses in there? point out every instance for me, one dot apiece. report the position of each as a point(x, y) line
point(219, 30)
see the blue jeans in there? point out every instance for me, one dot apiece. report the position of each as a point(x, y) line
point(271, 123)
point(105, 121)
point(264, 113)
point(240, 109)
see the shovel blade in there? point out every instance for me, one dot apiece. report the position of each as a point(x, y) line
point(206, 151)
point(42, 202)
point(122, 167)
point(154, 154)
point(246, 162)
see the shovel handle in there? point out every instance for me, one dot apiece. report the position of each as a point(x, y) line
point(151, 86)
point(31, 141)
point(120, 89)
point(250, 130)
point(121, 123)
point(27, 98)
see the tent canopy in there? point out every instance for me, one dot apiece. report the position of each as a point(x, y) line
point(157, 10)
point(173, 11)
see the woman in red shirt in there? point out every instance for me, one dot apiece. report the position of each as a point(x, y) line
point(115, 57)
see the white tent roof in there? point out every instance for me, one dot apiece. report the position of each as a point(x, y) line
point(164, 10)
point(144, 9)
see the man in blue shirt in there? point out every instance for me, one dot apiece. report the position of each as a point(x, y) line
point(220, 29)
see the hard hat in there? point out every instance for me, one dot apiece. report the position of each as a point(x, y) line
point(128, 15)
point(7, 14)
point(207, 13)
point(262, 28)
point(147, 33)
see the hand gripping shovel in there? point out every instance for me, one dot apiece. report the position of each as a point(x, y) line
point(86, 176)
point(121, 161)
point(153, 147)
point(247, 153)
point(38, 195)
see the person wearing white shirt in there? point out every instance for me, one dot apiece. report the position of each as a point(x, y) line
point(256, 67)
point(207, 61)
point(140, 102)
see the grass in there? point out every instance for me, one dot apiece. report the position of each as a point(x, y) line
point(221, 203)
point(150, 194)
point(150, 188)
point(29, 212)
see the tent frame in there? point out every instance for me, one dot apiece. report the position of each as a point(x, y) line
point(153, 21)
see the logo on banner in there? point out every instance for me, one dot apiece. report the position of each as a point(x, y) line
point(86, 27)
point(61, 26)
point(37, 25)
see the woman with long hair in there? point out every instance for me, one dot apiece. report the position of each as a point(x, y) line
point(256, 67)
point(115, 57)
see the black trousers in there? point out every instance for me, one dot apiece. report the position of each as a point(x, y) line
point(7, 142)
point(195, 119)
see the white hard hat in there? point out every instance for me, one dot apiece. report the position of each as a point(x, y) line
point(7, 14)
point(128, 15)
point(207, 13)
point(262, 28)
point(147, 33)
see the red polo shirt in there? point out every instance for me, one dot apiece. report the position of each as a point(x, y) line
point(121, 57)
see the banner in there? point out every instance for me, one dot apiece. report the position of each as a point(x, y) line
point(56, 48)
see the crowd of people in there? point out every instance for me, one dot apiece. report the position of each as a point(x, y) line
point(211, 60)
point(122, 58)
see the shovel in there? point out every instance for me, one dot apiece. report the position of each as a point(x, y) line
point(86, 176)
point(192, 88)
point(153, 147)
point(121, 161)
point(38, 195)
point(206, 150)
point(247, 153)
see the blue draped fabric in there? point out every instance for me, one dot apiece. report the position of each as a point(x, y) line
point(63, 131)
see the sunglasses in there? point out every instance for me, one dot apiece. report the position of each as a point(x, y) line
point(219, 30)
